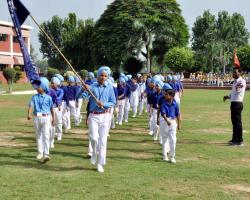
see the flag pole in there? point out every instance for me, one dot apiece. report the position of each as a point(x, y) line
point(65, 59)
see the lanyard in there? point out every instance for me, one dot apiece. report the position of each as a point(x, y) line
point(40, 104)
point(100, 94)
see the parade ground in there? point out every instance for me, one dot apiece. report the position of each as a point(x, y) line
point(207, 167)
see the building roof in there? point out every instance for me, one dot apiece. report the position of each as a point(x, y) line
point(11, 25)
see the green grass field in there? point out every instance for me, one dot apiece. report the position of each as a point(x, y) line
point(206, 168)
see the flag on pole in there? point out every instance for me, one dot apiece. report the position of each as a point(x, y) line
point(19, 13)
point(236, 60)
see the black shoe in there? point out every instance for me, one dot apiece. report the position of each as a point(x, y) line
point(232, 142)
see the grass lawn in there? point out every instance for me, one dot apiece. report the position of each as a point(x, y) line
point(206, 168)
point(16, 87)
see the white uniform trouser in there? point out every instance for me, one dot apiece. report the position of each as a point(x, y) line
point(112, 118)
point(121, 105)
point(78, 113)
point(153, 124)
point(177, 99)
point(57, 129)
point(142, 103)
point(99, 125)
point(169, 136)
point(72, 109)
point(126, 108)
point(134, 101)
point(42, 127)
point(149, 114)
point(65, 116)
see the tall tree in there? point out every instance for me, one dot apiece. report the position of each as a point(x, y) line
point(73, 37)
point(130, 28)
point(54, 29)
point(216, 39)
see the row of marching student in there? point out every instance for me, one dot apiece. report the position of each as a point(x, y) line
point(54, 107)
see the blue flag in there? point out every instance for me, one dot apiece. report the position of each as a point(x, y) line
point(19, 13)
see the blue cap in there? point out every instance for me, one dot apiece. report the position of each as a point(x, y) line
point(60, 77)
point(104, 69)
point(129, 76)
point(159, 84)
point(122, 79)
point(166, 86)
point(55, 80)
point(91, 75)
point(77, 80)
point(71, 79)
point(175, 78)
point(169, 78)
point(44, 84)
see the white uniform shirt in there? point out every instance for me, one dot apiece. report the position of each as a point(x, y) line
point(238, 90)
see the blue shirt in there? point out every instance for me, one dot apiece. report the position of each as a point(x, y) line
point(59, 95)
point(170, 109)
point(127, 91)
point(52, 93)
point(41, 103)
point(105, 94)
point(121, 91)
point(149, 93)
point(154, 99)
point(176, 86)
point(116, 93)
point(71, 92)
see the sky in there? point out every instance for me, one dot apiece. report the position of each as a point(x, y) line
point(45, 9)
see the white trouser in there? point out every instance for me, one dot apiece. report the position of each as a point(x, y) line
point(134, 101)
point(42, 127)
point(78, 113)
point(72, 109)
point(169, 136)
point(142, 103)
point(52, 131)
point(153, 124)
point(99, 125)
point(65, 116)
point(149, 114)
point(178, 99)
point(112, 118)
point(58, 122)
point(126, 108)
point(121, 105)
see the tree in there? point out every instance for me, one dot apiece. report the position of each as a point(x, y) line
point(73, 37)
point(243, 54)
point(9, 74)
point(129, 28)
point(54, 29)
point(179, 59)
point(214, 39)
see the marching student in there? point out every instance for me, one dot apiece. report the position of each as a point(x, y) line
point(79, 99)
point(142, 99)
point(90, 78)
point(42, 106)
point(154, 108)
point(55, 84)
point(99, 117)
point(171, 115)
point(134, 97)
point(121, 90)
point(127, 98)
point(177, 90)
point(148, 93)
point(71, 104)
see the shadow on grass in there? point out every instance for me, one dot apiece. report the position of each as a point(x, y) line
point(46, 167)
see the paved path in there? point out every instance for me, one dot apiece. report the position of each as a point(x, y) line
point(21, 92)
